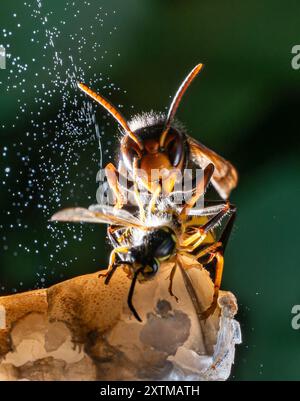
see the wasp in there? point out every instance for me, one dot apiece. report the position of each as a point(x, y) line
point(140, 246)
point(151, 233)
point(157, 142)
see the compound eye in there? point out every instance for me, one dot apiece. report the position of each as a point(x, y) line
point(165, 249)
point(130, 152)
point(174, 148)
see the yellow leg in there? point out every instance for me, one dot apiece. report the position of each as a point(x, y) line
point(124, 235)
point(111, 174)
point(137, 192)
point(155, 195)
point(190, 239)
point(199, 191)
point(139, 202)
point(203, 252)
point(112, 259)
point(202, 231)
point(218, 279)
point(199, 241)
point(169, 182)
point(207, 250)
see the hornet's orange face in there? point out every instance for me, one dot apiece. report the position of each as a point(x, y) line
point(156, 163)
point(155, 154)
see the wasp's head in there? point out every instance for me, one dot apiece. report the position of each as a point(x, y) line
point(157, 161)
point(158, 246)
point(158, 146)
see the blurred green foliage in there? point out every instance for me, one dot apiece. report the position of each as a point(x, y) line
point(244, 105)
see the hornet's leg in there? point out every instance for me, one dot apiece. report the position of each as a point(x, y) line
point(206, 250)
point(154, 197)
point(112, 264)
point(172, 274)
point(112, 179)
point(137, 192)
point(200, 189)
point(217, 284)
point(201, 232)
point(219, 256)
point(108, 275)
point(139, 201)
point(131, 292)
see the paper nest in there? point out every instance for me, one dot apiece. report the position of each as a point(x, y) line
point(82, 329)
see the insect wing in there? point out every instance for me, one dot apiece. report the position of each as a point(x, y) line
point(97, 214)
point(117, 216)
point(225, 176)
point(206, 211)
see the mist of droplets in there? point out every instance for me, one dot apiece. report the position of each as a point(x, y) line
point(47, 153)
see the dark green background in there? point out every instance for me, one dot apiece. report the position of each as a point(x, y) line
point(245, 105)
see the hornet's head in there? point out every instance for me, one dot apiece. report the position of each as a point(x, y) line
point(158, 246)
point(157, 162)
point(158, 147)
